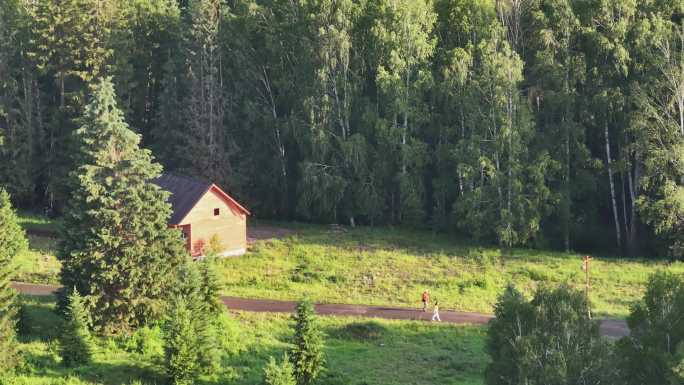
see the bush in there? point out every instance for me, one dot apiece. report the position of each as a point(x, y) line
point(307, 354)
point(76, 346)
point(147, 341)
point(279, 373)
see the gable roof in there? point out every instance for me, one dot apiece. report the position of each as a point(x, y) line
point(186, 192)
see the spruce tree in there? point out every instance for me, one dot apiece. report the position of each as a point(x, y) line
point(191, 294)
point(182, 343)
point(307, 354)
point(12, 241)
point(279, 373)
point(76, 345)
point(117, 249)
point(210, 286)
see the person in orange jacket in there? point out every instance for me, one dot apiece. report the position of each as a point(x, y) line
point(426, 299)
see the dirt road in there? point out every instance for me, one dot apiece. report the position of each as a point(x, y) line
point(609, 328)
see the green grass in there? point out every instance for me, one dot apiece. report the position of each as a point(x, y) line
point(393, 266)
point(38, 264)
point(35, 222)
point(386, 266)
point(358, 351)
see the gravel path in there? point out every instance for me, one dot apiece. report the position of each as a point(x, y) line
point(609, 327)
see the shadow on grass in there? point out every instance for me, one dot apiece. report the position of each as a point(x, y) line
point(39, 320)
point(47, 366)
point(45, 245)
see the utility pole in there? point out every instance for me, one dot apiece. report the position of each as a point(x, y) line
point(585, 267)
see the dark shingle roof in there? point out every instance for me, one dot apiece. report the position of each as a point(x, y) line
point(185, 193)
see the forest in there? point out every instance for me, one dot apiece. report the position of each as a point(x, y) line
point(545, 123)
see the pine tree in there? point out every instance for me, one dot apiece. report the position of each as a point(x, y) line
point(279, 373)
point(182, 343)
point(12, 241)
point(210, 287)
point(116, 247)
point(207, 138)
point(75, 343)
point(203, 305)
point(307, 354)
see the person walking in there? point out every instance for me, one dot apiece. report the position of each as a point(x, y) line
point(426, 299)
point(435, 312)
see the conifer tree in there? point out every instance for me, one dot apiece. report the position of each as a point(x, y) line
point(206, 137)
point(307, 354)
point(279, 373)
point(116, 248)
point(76, 345)
point(12, 241)
point(193, 293)
point(210, 287)
point(182, 343)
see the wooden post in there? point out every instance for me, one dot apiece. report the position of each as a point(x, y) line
point(585, 267)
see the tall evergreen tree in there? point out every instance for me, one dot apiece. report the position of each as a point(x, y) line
point(75, 342)
point(12, 242)
point(16, 118)
point(206, 132)
point(116, 247)
point(307, 354)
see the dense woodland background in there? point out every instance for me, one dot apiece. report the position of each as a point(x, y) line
point(551, 123)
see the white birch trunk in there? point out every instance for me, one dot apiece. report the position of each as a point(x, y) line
point(612, 188)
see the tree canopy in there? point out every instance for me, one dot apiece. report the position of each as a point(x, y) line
point(539, 122)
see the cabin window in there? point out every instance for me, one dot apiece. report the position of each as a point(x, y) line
point(217, 212)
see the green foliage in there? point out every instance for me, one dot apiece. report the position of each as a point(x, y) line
point(12, 242)
point(306, 355)
point(210, 286)
point(147, 341)
point(652, 352)
point(279, 373)
point(116, 248)
point(182, 346)
point(485, 117)
point(193, 329)
point(260, 335)
point(75, 342)
point(548, 340)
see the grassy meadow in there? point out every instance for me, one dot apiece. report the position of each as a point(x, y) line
point(358, 352)
point(392, 266)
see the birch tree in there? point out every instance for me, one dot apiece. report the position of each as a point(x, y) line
point(404, 32)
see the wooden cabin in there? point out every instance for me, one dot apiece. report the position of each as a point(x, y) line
point(207, 216)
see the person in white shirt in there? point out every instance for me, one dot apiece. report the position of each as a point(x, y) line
point(435, 312)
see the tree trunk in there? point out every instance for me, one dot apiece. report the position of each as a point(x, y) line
point(612, 188)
